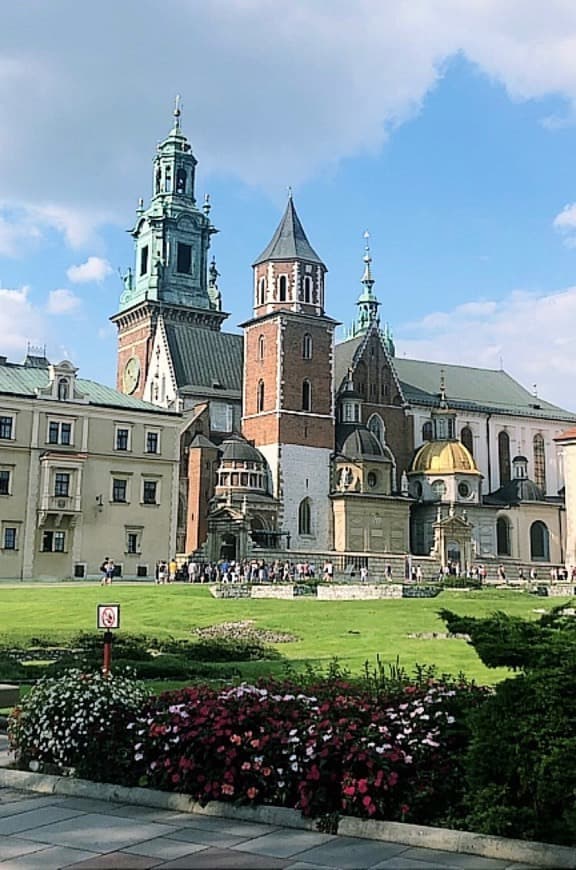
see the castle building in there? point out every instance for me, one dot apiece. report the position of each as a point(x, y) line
point(296, 441)
point(85, 473)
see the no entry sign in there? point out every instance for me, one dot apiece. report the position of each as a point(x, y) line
point(108, 616)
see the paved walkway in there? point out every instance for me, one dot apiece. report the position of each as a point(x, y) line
point(38, 831)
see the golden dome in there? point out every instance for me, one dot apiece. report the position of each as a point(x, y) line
point(443, 457)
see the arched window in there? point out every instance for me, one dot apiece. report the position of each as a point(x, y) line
point(181, 181)
point(260, 397)
point(158, 179)
point(503, 536)
point(304, 518)
point(168, 180)
point(63, 391)
point(262, 291)
point(283, 288)
point(539, 462)
point(539, 542)
point(306, 395)
point(467, 439)
point(504, 457)
point(261, 347)
point(427, 431)
point(307, 346)
point(307, 288)
point(376, 426)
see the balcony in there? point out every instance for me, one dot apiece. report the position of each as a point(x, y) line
point(60, 504)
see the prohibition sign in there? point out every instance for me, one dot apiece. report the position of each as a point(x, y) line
point(108, 616)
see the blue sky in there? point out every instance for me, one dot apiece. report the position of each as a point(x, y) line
point(446, 128)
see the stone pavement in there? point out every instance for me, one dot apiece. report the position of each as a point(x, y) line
point(39, 831)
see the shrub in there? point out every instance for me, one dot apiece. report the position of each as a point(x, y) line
point(77, 723)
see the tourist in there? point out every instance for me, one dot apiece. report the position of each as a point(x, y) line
point(103, 570)
point(110, 571)
point(363, 574)
point(162, 572)
point(172, 570)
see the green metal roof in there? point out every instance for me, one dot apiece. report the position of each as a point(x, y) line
point(468, 388)
point(289, 242)
point(206, 358)
point(487, 391)
point(24, 380)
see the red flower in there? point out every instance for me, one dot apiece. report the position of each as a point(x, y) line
point(252, 792)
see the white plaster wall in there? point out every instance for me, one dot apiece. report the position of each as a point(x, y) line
point(569, 453)
point(305, 473)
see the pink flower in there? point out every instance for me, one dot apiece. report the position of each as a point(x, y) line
point(252, 792)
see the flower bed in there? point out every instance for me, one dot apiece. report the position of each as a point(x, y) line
point(331, 751)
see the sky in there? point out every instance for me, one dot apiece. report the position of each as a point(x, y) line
point(446, 128)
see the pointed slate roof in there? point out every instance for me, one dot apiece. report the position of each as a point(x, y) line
point(289, 242)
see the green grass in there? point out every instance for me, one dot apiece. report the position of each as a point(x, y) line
point(354, 631)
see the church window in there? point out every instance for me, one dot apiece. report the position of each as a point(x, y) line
point(307, 288)
point(262, 291)
point(184, 259)
point(181, 181)
point(372, 479)
point(467, 439)
point(306, 395)
point(283, 288)
point(261, 347)
point(307, 346)
point(144, 260)
point(539, 462)
point(427, 431)
point(168, 180)
point(504, 457)
point(463, 489)
point(539, 542)
point(438, 489)
point(158, 179)
point(503, 536)
point(376, 426)
point(63, 389)
point(304, 518)
point(260, 397)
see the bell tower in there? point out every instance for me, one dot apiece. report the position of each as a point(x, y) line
point(288, 406)
point(170, 273)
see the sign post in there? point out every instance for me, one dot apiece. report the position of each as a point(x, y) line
point(108, 619)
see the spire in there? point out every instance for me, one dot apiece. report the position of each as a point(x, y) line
point(289, 242)
point(443, 401)
point(177, 113)
point(367, 278)
point(443, 419)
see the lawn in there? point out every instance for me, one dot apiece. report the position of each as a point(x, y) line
point(355, 631)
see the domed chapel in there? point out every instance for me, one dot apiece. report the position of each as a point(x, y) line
point(295, 441)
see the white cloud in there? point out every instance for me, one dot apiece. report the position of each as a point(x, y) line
point(565, 223)
point(62, 301)
point(300, 90)
point(532, 335)
point(94, 269)
point(21, 322)
point(24, 227)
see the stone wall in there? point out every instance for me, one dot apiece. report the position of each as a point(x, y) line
point(364, 592)
point(276, 590)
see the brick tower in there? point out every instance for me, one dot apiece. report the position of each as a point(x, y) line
point(171, 239)
point(288, 410)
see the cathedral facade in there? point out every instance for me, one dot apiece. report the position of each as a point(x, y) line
point(294, 441)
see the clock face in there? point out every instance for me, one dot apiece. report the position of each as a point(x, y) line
point(131, 375)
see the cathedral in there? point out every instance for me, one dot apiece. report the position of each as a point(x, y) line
point(293, 441)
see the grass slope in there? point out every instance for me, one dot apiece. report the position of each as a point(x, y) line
point(353, 631)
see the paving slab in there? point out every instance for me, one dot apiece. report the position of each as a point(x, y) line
point(285, 843)
point(164, 848)
point(34, 820)
point(455, 859)
point(116, 861)
point(49, 858)
point(401, 863)
point(222, 859)
point(87, 805)
point(13, 847)
point(208, 838)
point(96, 832)
point(13, 807)
point(351, 853)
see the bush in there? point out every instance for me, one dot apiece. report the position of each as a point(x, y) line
point(521, 764)
point(77, 724)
